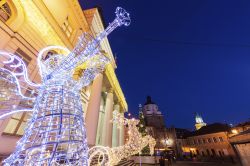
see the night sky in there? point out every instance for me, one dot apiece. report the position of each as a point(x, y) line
point(189, 55)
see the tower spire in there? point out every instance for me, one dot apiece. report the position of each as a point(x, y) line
point(199, 121)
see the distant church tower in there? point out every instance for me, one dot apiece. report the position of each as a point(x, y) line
point(199, 122)
point(152, 114)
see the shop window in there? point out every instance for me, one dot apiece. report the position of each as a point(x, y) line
point(5, 11)
point(67, 28)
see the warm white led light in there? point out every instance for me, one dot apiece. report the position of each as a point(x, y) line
point(136, 142)
point(14, 112)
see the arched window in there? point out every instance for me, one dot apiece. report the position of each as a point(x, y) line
point(5, 11)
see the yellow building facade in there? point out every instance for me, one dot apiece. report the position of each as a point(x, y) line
point(27, 26)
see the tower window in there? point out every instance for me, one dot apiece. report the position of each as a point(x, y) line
point(5, 11)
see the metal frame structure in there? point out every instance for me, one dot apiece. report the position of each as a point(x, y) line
point(55, 134)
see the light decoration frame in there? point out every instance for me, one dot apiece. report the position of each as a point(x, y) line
point(56, 134)
point(106, 156)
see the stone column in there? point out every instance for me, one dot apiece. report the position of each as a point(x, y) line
point(118, 136)
point(121, 135)
point(99, 140)
point(115, 140)
point(93, 108)
point(107, 119)
point(116, 130)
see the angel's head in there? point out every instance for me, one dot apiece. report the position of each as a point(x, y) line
point(49, 58)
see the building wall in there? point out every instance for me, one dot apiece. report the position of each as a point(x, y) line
point(215, 145)
point(244, 153)
point(155, 120)
point(241, 142)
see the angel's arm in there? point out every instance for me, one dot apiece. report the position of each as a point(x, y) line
point(95, 66)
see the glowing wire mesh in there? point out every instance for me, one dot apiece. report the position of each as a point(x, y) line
point(55, 134)
point(106, 156)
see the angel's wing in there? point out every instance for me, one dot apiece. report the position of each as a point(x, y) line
point(17, 92)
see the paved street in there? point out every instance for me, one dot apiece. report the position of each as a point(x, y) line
point(203, 164)
point(198, 164)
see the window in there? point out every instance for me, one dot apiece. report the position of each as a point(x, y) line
point(214, 139)
point(213, 152)
point(208, 153)
point(199, 141)
point(66, 27)
point(209, 140)
point(26, 103)
point(221, 139)
point(16, 124)
point(25, 57)
point(197, 152)
point(21, 55)
point(220, 153)
point(194, 142)
point(204, 140)
point(5, 11)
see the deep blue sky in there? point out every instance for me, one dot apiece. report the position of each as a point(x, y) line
point(189, 55)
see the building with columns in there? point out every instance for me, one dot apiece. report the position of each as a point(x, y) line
point(28, 26)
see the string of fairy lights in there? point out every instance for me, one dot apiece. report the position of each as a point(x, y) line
point(107, 156)
point(56, 134)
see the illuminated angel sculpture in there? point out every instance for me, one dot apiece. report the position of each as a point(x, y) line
point(55, 134)
point(107, 156)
